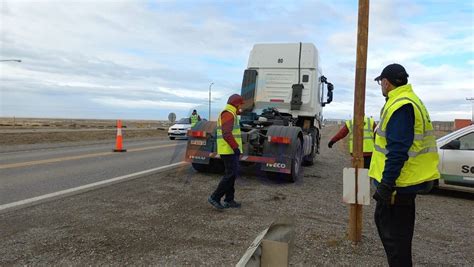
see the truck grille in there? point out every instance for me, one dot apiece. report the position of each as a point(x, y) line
point(278, 86)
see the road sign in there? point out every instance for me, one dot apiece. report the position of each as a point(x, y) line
point(172, 117)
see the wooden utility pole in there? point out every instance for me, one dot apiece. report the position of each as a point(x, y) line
point(355, 214)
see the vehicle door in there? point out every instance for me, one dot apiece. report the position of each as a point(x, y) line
point(457, 161)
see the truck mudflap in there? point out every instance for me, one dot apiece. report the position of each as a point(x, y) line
point(198, 154)
point(197, 159)
point(281, 165)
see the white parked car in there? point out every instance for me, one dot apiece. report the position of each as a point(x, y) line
point(180, 129)
point(456, 160)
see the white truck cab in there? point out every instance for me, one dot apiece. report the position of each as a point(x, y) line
point(287, 77)
point(456, 160)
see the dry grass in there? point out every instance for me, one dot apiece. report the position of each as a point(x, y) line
point(46, 123)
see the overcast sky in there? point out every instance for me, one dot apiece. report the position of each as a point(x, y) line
point(145, 59)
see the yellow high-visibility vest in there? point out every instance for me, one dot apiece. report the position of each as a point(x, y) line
point(194, 119)
point(223, 148)
point(422, 164)
point(368, 145)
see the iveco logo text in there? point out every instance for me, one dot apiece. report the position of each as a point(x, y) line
point(277, 165)
point(197, 157)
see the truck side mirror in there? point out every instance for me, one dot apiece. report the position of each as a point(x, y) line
point(329, 95)
point(330, 89)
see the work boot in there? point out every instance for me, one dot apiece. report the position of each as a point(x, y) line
point(215, 203)
point(231, 204)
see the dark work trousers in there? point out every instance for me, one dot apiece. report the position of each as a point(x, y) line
point(395, 224)
point(367, 160)
point(226, 185)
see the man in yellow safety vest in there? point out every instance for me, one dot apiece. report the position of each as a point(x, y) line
point(368, 144)
point(194, 118)
point(404, 163)
point(229, 147)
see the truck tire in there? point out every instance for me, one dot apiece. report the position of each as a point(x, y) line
point(214, 166)
point(296, 165)
point(309, 159)
point(201, 167)
point(296, 162)
point(295, 150)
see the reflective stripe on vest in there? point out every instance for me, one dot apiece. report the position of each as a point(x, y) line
point(223, 148)
point(417, 136)
point(422, 163)
point(194, 119)
point(368, 144)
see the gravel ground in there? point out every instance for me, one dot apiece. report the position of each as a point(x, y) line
point(165, 220)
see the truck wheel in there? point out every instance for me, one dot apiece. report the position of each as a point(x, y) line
point(294, 150)
point(296, 162)
point(214, 166)
point(309, 159)
point(295, 165)
point(200, 167)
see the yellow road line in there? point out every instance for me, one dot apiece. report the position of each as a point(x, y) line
point(151, 147)
point(44, 161)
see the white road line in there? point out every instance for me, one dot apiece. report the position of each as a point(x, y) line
point(84, 188)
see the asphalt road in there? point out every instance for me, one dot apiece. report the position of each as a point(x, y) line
point(31, 173)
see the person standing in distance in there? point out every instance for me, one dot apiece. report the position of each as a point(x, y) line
point(404, 163)
point(229, 147)
point(368, 141)
point(194, 118)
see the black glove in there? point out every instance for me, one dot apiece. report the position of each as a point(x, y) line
point(237, 152)
point(383, 192)
point(330, 144)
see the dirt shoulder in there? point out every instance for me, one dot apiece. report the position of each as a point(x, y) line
point(24, 131)
point(23, 138)
point(165, 220)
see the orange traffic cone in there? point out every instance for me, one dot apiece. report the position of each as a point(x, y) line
point(118, 140)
